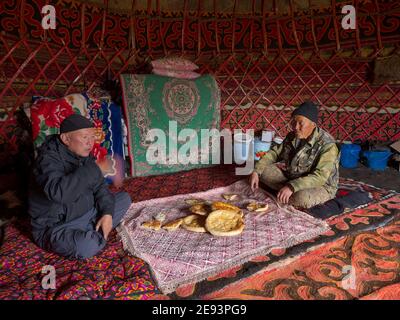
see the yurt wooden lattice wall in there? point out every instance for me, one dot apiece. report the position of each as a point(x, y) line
point(267, 56)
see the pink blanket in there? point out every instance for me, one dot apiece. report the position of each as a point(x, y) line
point(182, 257)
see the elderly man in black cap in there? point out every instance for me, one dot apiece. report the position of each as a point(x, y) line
point(71, 207)
point(311, 160)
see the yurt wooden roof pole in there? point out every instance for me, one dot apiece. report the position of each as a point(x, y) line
point(83, 30)
point(22, 27)
point(132, 29)
point(378, 25)
point(233, 26)
point(103, 25)
point(278, 29)
point(252, 24)
point(185, 9)
point(335, 26)
point(294, 25)
point(199, 26)
point(264, 28)
point(100, 46)
point(311, 13)
point(83, 51)
point(358, 43)
point(216, 26)
point(159, 26)
point(150, 49)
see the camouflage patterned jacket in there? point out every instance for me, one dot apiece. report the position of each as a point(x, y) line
point(315, 164)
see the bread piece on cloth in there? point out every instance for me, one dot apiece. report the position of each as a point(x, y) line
point(224, 223)
point(229, 196)
point(257, 207)
point(219, 205)
point(194, 223)
point(173, 225)
point(199, 209)
point(153, 225)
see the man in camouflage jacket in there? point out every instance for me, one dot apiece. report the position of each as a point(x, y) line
point(311, 163)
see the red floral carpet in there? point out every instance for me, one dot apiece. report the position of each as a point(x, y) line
point(355, 239)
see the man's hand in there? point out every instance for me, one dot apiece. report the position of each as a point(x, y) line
point(284, 194)
point(105, 165)
point(254, 180)
point(105, 223)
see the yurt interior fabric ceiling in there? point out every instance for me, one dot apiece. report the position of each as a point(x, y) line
point(267, 56)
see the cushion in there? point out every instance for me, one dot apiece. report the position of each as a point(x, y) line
point(174, 63)
point(176, 73)
point(47, 114)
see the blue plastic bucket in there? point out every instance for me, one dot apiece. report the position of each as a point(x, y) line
point(349, 155)
point(377, 160)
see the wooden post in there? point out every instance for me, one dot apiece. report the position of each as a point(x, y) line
point(233, 26)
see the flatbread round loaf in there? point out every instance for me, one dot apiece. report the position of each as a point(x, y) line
point(199, 209)
point(224, 223)
point(219, 205)
point(194, 223)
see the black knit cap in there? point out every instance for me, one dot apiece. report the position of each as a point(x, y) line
point(307, 109)
point(75, 122)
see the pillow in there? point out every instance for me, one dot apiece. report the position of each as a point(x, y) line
point(176, 73)
point(47, 114)
point(174, 63)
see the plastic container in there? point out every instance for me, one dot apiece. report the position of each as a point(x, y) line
point(278, 140)
point(241, 147)
point(260, 148)
point(349, 155)
point(267, 135)
point(376, 159)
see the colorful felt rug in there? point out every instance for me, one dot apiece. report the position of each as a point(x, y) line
point(169, 105)
point(182, 256)
point(110, 275)
point(365, 265)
